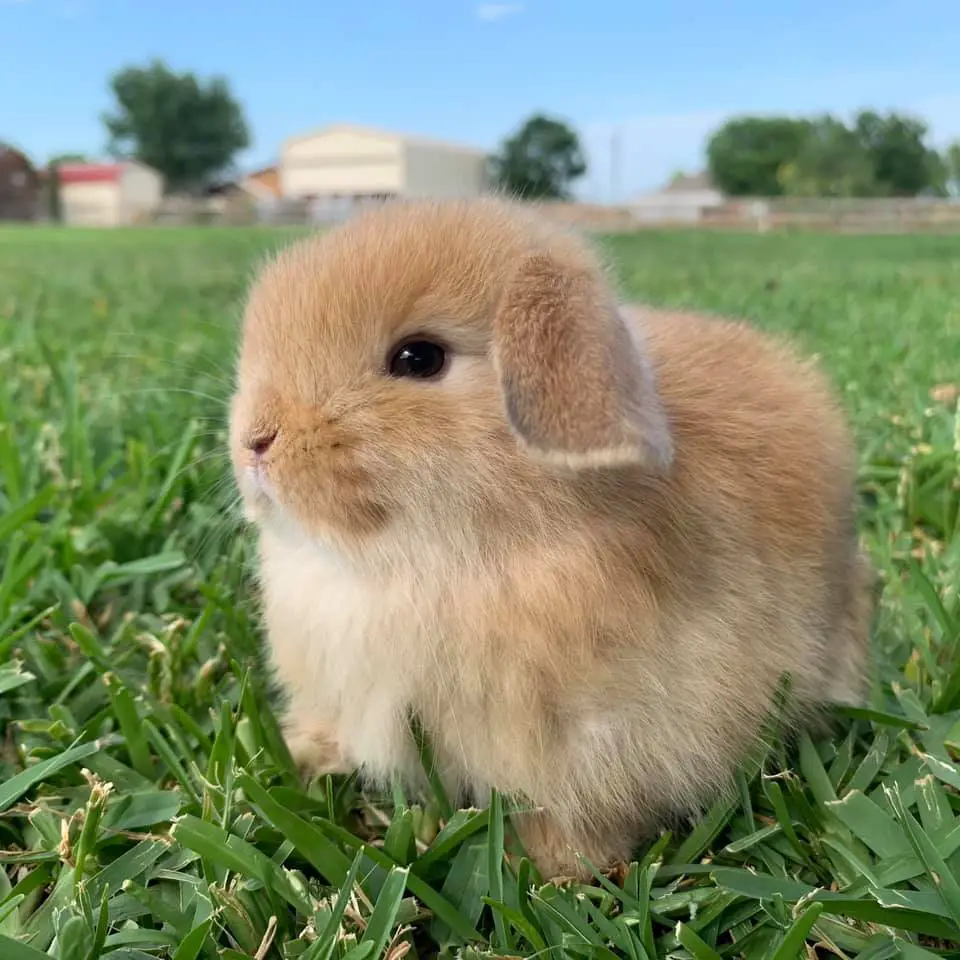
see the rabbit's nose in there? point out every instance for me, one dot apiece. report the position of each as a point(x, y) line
point(260, 443)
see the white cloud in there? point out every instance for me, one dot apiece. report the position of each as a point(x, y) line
point(492, 12)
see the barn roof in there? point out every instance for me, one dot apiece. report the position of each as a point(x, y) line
point(266, 180)
point(7, 149)
point(385, 134)
point(89, 172)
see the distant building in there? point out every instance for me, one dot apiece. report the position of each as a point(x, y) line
point(342, 166)
point(108, 194)
point(246, 199)
point(683, 200)
point(263, 184)
point(19, 186)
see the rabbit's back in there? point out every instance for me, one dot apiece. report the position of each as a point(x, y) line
point(764, 452)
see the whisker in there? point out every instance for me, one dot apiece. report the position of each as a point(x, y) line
point(163, 391)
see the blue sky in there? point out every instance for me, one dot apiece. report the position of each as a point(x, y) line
point(659, 75)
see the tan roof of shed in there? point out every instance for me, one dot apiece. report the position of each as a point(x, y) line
point(388, 134)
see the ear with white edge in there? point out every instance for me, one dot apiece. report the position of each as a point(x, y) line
point(578, 389)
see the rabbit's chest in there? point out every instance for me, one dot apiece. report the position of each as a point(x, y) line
point(346, 649)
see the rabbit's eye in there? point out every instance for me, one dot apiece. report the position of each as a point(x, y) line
point(419, 359)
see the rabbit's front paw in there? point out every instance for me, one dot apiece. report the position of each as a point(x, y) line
point(557, 852)
point(314, 748)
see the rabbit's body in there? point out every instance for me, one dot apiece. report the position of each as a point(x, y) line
point(600, 631)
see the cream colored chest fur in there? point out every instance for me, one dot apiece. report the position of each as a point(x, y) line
point(346, 650)
point(355, 654)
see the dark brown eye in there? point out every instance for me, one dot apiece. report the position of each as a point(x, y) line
point(418, 359)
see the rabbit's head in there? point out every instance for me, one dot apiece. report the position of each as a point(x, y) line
point(427, 364)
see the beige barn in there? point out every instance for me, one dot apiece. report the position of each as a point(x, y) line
point(343, 165)
point(108, 194)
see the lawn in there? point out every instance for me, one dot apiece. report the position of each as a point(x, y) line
point(147, 805)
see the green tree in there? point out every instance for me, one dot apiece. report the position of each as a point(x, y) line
point(832, 163)
point(186, 130)
point(540, 161)
point(902, 162)
point(939, 185)
point(745, 155)
point(951, 162)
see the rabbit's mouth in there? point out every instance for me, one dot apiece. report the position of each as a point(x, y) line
point(260, 483)
point(278, 495)
point(257, 492)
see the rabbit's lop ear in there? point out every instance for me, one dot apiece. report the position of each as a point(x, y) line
point(579, 391)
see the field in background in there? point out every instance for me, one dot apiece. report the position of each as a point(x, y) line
point(131, 696)
point(875, 215)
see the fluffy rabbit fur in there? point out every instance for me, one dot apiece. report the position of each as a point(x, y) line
point(584, 555)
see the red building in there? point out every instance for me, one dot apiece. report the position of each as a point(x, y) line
point(19, 186)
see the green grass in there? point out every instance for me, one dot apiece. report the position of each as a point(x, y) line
point(147, 805)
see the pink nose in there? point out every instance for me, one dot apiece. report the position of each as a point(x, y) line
point(260, 443)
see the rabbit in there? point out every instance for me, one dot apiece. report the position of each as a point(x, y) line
point(580, 541)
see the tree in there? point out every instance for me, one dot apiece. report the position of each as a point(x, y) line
point(745, 155)
point(540, 160)
point(951, 162)
point(882, 155)
point(68, 157)
point(189, 132)
point(902, 163)
point(832, 163)
point(939, 185)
